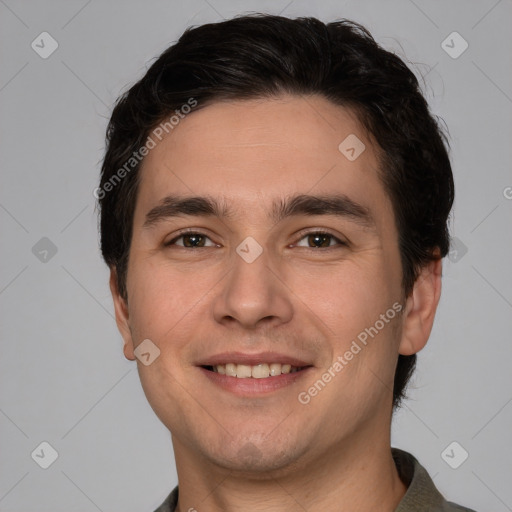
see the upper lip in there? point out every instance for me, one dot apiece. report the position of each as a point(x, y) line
point(251, 359)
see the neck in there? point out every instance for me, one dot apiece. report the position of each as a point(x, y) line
point(356, 476)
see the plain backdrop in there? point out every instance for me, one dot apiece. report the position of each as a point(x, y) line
point(64, 379)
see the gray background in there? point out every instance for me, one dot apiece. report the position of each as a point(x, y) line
point(64, 378)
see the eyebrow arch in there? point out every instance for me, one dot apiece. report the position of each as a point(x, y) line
point(327, 204)
point(339, 205)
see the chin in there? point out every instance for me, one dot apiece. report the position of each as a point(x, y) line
point(255, 459)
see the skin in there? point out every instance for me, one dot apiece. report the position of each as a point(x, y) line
point(272, 452)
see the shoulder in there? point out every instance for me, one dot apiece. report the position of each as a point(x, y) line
point(422, 495)
point(169, 505)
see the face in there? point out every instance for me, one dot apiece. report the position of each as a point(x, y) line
point(286, 257)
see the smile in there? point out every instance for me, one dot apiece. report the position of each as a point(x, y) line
point(258, 371)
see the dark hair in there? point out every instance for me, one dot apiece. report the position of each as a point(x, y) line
point(258, 56)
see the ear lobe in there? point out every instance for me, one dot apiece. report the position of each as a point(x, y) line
point(420, 309)
point(122, 316)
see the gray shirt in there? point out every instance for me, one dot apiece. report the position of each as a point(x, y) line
point(421, 495)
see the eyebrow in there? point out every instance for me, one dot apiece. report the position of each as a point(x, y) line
point(203, 206)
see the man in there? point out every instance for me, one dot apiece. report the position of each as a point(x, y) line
point(274, 203)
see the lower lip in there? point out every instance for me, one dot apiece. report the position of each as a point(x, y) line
point(250, 386)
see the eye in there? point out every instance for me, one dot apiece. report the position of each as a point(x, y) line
point(191, 240)
point(312, 240)
point(319, 240)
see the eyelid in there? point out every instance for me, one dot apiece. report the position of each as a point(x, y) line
point(188, 231)
point(321, 231)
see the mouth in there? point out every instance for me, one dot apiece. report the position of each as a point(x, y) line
point(258, 371)
point(253, 374)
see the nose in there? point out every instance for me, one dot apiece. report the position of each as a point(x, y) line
point(253, 294)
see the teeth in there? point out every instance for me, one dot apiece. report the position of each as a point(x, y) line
point(275, 369)
point(259, 371)
point(230, 369)
point(243, 371)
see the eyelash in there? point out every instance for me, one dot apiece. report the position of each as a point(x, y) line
point(340, 243)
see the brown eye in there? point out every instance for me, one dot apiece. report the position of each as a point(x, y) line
point(319, 239)
point(191, 240)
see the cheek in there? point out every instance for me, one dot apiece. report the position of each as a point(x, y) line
point(347, 296)
point(158, 299)
point(350, 300)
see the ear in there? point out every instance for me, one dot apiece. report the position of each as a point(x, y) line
point(122, 317)
point(420, 309)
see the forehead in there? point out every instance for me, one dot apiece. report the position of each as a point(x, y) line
point(253, 152)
